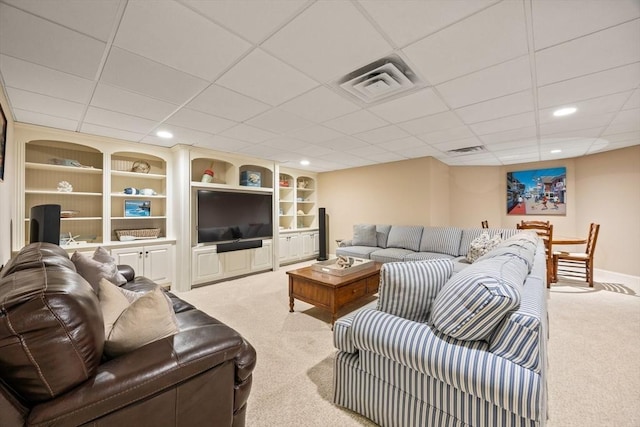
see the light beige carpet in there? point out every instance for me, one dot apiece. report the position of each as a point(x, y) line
point(594, 353)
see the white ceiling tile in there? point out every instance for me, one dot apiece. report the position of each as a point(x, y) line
point(319, 105)
point(358, 121)
point(422, 103)
point(251, 19)
point(248, 133)
point(314, 150)
point(197, 120)
point(101, 117)
point(337, 29)
point(590, 107)
point(575, 122)
point(43, 104)
point(493, 82)
point(416, 19)
point(137, 74)
point(263, 77)
point(431, 123)
point(633, 101)
point(46, 81)
point(24, 116)
point(370, 151)
point(612, 146)
point(94, 18)
point(344, 143)
point(510, 135)
point(172, 34)
point(386, 157)
point(401, 144)
point(39, 41)
point(551, 26)
point(484, 43)
point(501, 146)
point(445, 135)
point(625, 121)
point(383, 134)
point(291, 144)
point(573, 134)
point(622, 137)
point(589, 54)
point(181, 135)
point(221, 143)
point(516, 121)
point(516, 103)
point(279, 121)
point(222, 102)
point(420, 151)
point(123, 101)
point(262, 151)
point(598, 84)
point(457, 144)
point(315, 134)
point(111, 132)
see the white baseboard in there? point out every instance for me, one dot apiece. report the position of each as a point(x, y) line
point(615, 277)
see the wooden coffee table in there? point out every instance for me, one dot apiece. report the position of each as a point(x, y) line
point(331, 292)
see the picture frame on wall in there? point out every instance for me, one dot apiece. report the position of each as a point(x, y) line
point(537, 192)
point(137, 208)
point(3, 142)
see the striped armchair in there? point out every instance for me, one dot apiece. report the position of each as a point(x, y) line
point(450, 349)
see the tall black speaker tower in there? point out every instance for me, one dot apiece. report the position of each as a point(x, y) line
point(44, 225)
point(322, 231)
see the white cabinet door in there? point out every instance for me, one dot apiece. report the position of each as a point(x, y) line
point(283, 249)
point(316, 243)
point(236, 262)
point(158, 261)
point(307, 244)
point(130, 256)
point(261, 257)
point(206, 265)
point(295, 246)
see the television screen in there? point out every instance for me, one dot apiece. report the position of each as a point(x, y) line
point(228, 216)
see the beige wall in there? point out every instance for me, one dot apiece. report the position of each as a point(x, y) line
point(602, 188)
point(6, 187)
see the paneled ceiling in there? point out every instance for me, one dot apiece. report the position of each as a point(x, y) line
point(262, 77)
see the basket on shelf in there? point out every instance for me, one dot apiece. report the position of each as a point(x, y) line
point(139, 233)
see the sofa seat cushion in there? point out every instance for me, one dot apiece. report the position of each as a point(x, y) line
point(445, 240)
point(357, 251)
point(390, 254)
point(405, 237)
point(474, 301)
point(423, 256)
point(407, 289)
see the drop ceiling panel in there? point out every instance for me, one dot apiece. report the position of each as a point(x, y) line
point(431, 123)
point(510, 135)
point(508, 105)
point(345, 143)
point(221, 143)
point(315, 134)
point(493, 82)
point(24, 116)
point(596, 52)
point(279, 121)
point(451, 134)
point(197, 120)
point(590, 107)
point(101, 117)
point(265, 78)
point(248, 133)
point(420, 151)
point(383, 134)
point(225, 103)
point(253, 20)
point(337, 29)
point(287, 144)
point(551, 26)
point(517, 121)
point(319, 105)
point(401, 144)
point(485, 44)
point(43, 104)
point(417, 19)
point(633, 101)
point(358, 121)
point(137, 74)
point(111, 132)
point(46, 81)
point(172, 34)
point(42, 42)
point(123, 101)
point(422, 103)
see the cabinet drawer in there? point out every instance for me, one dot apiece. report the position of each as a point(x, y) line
point(351, 292)
point(372, 284)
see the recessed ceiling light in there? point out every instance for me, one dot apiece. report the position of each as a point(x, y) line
point(304, 162)
point(564, 111)
point(556, 151)
point(164, 134)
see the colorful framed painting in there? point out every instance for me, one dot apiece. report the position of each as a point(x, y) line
point(137, 208)
point(537, 192)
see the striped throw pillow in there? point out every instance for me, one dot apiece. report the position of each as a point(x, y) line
point(408, 289)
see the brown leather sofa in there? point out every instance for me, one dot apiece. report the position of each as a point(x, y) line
point(53, 372)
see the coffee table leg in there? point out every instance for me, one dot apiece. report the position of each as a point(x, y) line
point(290, 304)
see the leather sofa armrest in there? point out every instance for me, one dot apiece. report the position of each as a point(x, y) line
point(144, 372)
point(127, 271)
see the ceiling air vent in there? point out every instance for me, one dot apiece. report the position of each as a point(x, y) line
point(381, 79)
point(467, 150)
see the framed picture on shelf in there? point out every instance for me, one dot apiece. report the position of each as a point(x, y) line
point(3, 141)
point(137, 208)
point(537, 192)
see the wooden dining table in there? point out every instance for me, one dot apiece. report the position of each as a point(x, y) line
point(567, 240)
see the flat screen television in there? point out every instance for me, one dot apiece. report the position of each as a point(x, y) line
point(224, 216)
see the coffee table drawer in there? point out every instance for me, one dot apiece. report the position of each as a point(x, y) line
point(351, 292)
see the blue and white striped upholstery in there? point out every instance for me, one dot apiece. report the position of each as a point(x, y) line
point(357, 251)
point(423, 256)
point(382, 234)
point(407, 289)
point(390, 254)
point(445, 240)
point(475, 300)
point(405, 237)
point(468, 234)
point(342, 339)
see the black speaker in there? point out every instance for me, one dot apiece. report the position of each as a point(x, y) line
point(238, 246)
point(44, 225)
point(322, 231)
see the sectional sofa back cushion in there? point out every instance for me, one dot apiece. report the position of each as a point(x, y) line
point(51, 331)
point(522, 245)
point(474, 301)
point(407, 289)
point(382, 235)
point(469, 234)
point(405, 237)
point(444, 240)
point(364, 235)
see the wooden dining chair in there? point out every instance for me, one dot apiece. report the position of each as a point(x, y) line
point(544, 229)
point(578, 264)
point(485, 224)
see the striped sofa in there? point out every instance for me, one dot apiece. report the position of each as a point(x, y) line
point(440, 348)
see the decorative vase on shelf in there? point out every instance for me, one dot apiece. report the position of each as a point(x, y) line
point(207, 176)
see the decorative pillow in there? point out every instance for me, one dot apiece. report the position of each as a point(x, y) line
point(130, 325)
point(101, 266)
point(481, 245)
point(364, 235)
point(408, 289)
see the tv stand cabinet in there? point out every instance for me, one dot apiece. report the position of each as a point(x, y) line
point(207, 265)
